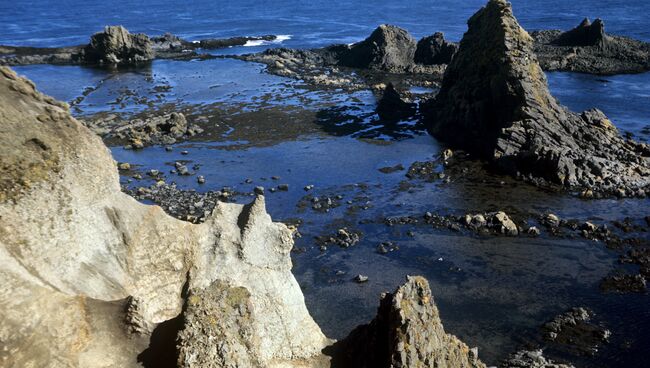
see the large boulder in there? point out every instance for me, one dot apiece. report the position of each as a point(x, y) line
point(435, 50)
point(388, 48)
point(116, 46)
point(494, 102)
point(407, 332)
point(90, 277)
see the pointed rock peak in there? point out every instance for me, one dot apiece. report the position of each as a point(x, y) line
point(116, 46)
point(407, 332)
point(493, 80)
point(585, 34)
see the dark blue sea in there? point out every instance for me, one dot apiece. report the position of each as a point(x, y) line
point(493, 293)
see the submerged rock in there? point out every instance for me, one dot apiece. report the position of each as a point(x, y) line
point(116, 46)
point(90, 275)
point(575, 331)
point(407, 332)
point(495, 103)
point(388, 48)
point(435, 50)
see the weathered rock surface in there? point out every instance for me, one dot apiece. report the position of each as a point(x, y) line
point(435, 50)
point(388, 48)
point(588, 49)
point(407, 332)
point(88, 271)
point(392, 107)
point(116, 46)
point(495, 103)
point(531, 359)
point(575, 331)
point(140, 132)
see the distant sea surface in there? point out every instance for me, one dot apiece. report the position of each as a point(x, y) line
point(310, 23)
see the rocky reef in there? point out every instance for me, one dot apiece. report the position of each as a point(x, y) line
point(588, 49)
point(494, 102)
point(116, 46)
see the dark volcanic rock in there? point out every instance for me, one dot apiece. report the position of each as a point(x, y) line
point(435, 50)
point(585, 34)
point(575, 331)
point(495, 103)
point(389, 48)
point(116, 46)
point(407, 332)
point(392, 107)
point(588, 49)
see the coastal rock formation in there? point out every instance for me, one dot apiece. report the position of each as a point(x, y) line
point(140, 132)
point(575, 331)
point(116, 46)
point(392, 107)
point(435, 50)
point(407, 332)
point(531, 359)
point(585, 34)
point(388, 48)
point(588, 49)
point(494, 102)
point(90, 275)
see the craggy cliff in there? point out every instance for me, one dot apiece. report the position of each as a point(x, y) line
point(90, 277)
point(494, 102)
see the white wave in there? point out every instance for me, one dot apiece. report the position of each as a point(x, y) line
point(278, 39)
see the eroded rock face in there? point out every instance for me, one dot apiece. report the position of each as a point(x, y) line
point(585, 34)
point(495, 103)
point(392, 107)
point(90, 275)
point(116, 46)
point(407, 332)
point(435, 50)
point(388, 48)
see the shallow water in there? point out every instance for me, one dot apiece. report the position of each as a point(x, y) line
point(493, 292)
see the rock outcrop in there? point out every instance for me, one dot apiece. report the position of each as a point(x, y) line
point(116, 46)
point(392, 107)
point(407, 332)
point(90, 275)
point(531, 359)
point(388, 48)
point(585, 34)
point(588, 49)
point(494, 102)
point(435, 50)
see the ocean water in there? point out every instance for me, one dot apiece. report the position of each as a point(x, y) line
point(494, 293)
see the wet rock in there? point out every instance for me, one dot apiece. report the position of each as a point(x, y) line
point(588, 49)
point(200, 179)
point(308, 187)
point(505, 224)
point(407, 332)
point(435, 50)
point(388, 48)
point(360, 279)
point(116, 46)
point(575, 331)
point(386, 247)
point(585, 34)
point(283, 187)
point(343, 238)
point(624, 284)
point(259, 190)
point(124, 166)
point(391, 169)
point(392, 107)
point(531, 359)
point(495, 103)
point(551, 220)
